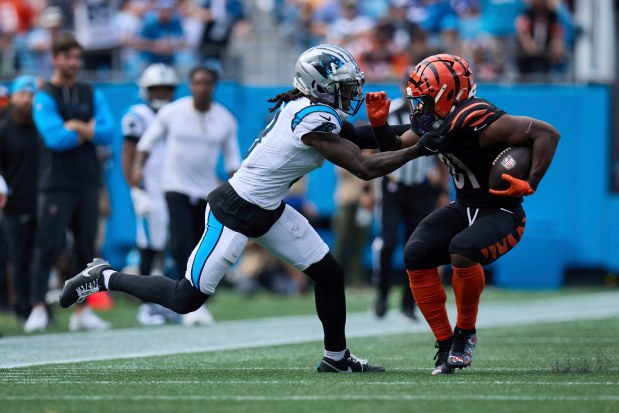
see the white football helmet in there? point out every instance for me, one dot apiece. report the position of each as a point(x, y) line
point(157, 74)
point(331, 75)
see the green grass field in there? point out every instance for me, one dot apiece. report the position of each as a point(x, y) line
point(550, 366)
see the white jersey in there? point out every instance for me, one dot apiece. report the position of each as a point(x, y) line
point(135, 122)
point(152, 230)
point(278, 158)
point(194, 141)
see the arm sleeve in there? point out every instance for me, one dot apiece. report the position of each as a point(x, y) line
point(104, 126)
point(231, 151)
point(155, 132)
point(51, 125)
point(363, 136)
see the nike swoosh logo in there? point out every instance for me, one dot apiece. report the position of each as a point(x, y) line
point(349, 370)
point(327, 118)
point(476, 128)
point(432, 150)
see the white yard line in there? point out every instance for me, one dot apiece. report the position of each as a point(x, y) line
point(159, 341)
point(320, 398)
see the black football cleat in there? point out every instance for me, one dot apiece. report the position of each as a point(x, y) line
point(441, 366)
point(87, 282)
point(349, 364)
point(462, 349)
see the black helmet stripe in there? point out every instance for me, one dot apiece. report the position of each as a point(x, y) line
point(453, 74)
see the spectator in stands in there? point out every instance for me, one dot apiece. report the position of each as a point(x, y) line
point(541, 40)
point(162, 35)
point(295, 20)
point(16, 19)
point(497, 57)
point(19, 160)
point(38, 58)
point(197, 130)
point(441, 24)
point(93, 21)
point(72, 119)
point(381, 58)
point(128, 24)
point(349, 29)
point(407, 34)
point(219, 17)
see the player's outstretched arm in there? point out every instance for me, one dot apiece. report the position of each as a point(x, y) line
point(388, 137)
point(525, 131)
point(347, 155)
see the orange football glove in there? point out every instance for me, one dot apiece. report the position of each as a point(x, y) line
point(377, 106)
point(517, 187)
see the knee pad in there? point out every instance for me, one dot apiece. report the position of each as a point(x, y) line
point(187, 298)
point(326, 271)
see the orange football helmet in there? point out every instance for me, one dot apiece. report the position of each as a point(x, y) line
point(437, 85)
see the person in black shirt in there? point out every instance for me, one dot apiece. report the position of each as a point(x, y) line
point(467, 133)
point(72, 119)
point(19, 159)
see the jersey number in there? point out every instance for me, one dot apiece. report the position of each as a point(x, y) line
point(262, 135)
point(459, 171)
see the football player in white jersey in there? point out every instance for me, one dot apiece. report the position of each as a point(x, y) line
point(308, 128)
point(157, 87)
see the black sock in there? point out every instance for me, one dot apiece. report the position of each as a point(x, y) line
point(330, 300)
point(179, 296)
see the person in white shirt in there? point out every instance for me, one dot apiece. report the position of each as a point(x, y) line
point(196, 130)
point(308, 128)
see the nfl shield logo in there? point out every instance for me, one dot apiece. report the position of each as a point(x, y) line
point(508, 162)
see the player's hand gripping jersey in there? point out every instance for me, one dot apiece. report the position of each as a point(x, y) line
point(278, 158)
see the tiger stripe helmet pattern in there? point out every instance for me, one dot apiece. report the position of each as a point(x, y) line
point(445, 78)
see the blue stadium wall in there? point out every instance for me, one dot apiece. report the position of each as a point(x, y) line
point(572, 222)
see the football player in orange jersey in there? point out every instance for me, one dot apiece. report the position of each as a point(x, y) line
point(466, 133)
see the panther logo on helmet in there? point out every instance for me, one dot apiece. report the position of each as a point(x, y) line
point(436, 86)
point(331, 75)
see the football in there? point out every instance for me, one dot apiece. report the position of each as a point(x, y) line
point(514, 161)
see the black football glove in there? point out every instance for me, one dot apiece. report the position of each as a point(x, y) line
point(431, 143)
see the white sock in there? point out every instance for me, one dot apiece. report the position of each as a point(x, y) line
point(106, 278)
point(335, 355)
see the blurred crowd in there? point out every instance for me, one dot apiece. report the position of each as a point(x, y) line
point(516, 40)
point(120, 38)
point(506, 40)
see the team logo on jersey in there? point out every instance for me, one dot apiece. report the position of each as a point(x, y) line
point(508, 162)
point(324, 127)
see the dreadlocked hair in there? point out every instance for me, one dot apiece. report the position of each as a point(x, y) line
point(292, 94)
